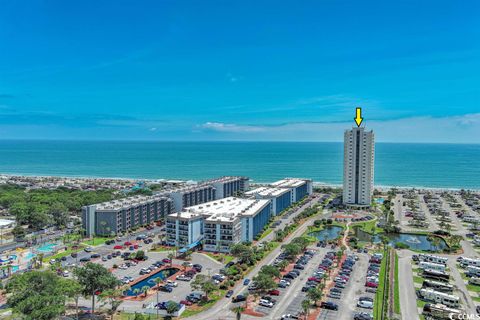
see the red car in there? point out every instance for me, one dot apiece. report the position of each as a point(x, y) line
point(166, 260)
point(135, 246)
point(274, 292)
point(118, 247)
point(127, 243)
point(371, 284)
point(314, 279)
point(186, 302)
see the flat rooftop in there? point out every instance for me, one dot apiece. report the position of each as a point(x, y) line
point(225, 179)
point(128, 202)
point(267, 191)
point(224, 210)
point(290, 183)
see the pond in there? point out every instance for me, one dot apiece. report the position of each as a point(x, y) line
point(414, 241)
point(149, 281)
point(328, 233)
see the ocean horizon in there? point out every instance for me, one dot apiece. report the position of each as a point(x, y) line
point(421, 165)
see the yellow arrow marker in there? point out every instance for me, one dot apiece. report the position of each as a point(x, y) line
point(358, 118)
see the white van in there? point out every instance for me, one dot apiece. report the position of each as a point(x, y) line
point(448, 300)
point(469, 262)
point(432, 258)
point(432, 266)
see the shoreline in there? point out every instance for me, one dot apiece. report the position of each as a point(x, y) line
point(253, 182)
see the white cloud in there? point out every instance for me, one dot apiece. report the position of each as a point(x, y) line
point(227, 127)
point(451, 129)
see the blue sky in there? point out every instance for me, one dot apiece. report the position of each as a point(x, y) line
point(243, 70)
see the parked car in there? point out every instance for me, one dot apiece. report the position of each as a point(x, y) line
point(246, 282)
point(88, 249)
point(329, 305)
point(165, 288)
point(239, 298)
point(186, 302)
point(265, 303)
point(274, 292)
point(365, 304)
point(229, 293)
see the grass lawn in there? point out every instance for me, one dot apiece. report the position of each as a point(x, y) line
point(224, 258)
point(396, 293)
point(382, 286)
point(417, 279)
point(64, 253)
point(476, 299)
point(368, 226)
point(473, 288)
point(97, 241)
point(266, 233)
point(421, 303)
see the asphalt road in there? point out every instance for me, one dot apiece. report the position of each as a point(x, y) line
point(221, 310)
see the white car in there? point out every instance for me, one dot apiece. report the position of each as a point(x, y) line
point(183, 277)
point(287, 283)
point(172, 283)
point(266, 303)
point(65, 273)
point(123, 267)
point(365, 304)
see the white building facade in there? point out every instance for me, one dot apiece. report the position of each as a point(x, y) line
point(358, 167)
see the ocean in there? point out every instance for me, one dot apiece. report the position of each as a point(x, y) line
point(396, 164)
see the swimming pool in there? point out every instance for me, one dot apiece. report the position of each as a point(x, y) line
point(165, 273)
point(47, 247)
point(29, 255)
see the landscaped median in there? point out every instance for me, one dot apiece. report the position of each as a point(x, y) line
point(381, 297)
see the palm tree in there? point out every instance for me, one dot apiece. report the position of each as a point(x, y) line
point(157, 281)
point(306, 307)
point(238, 311)
point(136, 291)
point(171, 256)
point(145, 290)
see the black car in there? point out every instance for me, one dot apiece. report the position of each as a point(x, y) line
point(228, 265)
point(95, 255)
point(85, 259)
point(239, 298)
point(197, 267)
point(229, 293)
point(299, 266)
point(63, 258)
point(329, 305)
point(109, 256)
point(74, 254)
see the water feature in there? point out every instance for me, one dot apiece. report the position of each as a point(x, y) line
point(379, 200)
point(328, 233)
point(414, 241)
point(149, 281)
point(47, 247)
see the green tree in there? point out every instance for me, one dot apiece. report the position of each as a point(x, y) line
point(291, 250)
point(73, 290)
point(315, 295)
point(37, 295)
point(244, 252)
point(264, 282)
point(94, 277)
point(172, 307)
point(145, 290)
point(170, 256)
point(306, 307)
point(204, 284)
point(238, 311)
point(18, 232)
point(112, 297)
point(271, 271)
point(140, 255)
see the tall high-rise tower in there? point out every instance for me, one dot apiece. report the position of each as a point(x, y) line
point(358, 166)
